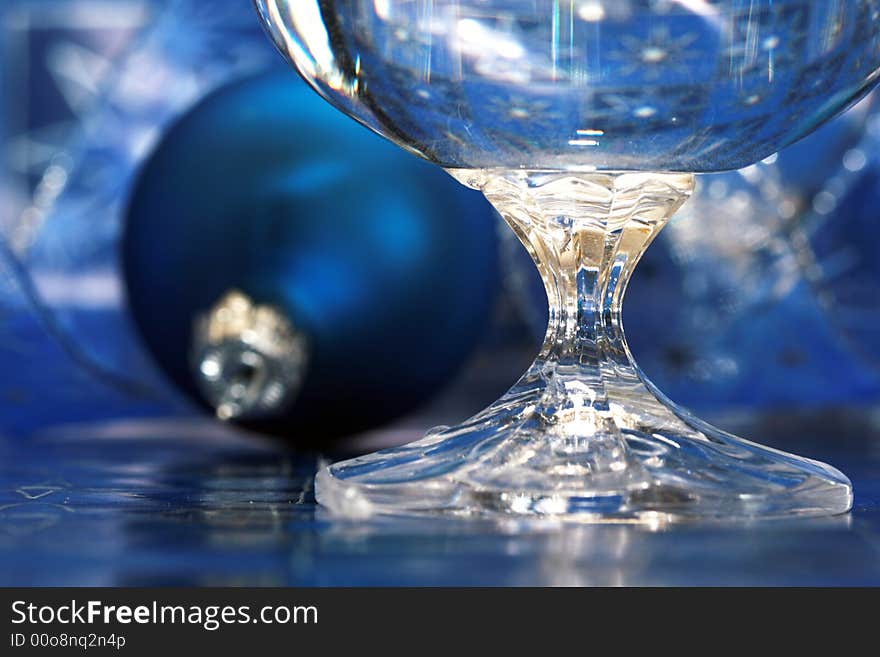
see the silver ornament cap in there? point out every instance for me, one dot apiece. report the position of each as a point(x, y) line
point(249, 360)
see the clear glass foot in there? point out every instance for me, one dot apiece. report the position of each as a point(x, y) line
point(584, 435)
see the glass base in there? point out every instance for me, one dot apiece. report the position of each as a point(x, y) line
point(534, 453)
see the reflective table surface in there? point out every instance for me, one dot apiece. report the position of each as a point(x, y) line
point(181, 502)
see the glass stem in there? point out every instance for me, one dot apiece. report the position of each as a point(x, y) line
point(586, 232)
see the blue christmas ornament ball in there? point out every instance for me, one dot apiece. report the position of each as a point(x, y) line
point(387, 265)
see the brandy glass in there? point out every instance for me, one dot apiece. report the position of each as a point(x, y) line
point(583, 122)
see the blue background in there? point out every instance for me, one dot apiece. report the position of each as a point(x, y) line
point(110, 475)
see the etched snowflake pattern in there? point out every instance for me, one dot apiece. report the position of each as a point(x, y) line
point(519, 108)
point(656, 55)
point(768, 40)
